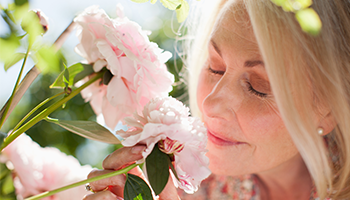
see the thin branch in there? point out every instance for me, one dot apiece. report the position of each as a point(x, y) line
point(64, 35)
point(22, 88)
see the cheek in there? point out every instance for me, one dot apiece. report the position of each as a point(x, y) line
point(265, 131)
point(261, 123)
point(259, 119)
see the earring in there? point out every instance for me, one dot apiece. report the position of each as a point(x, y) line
point(320, 131)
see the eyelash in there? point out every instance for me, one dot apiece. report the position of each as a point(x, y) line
point(250, 87)
point(216, 72)
point(252, 90)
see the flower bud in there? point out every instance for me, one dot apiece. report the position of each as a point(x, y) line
point(44, 21)
point(170, 146)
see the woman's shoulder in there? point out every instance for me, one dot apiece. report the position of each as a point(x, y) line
point(225, 187)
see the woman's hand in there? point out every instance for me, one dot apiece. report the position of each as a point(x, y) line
point(113, 188)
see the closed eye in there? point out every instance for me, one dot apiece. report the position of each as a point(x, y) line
point(216, 72)
point(255, 92)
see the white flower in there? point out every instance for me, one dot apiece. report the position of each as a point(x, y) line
point(165, 120)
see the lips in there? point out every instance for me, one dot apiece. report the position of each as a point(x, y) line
point(219, 140)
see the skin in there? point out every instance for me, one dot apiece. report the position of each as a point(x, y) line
point(246, 134)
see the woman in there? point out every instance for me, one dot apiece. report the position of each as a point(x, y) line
point(275, 101)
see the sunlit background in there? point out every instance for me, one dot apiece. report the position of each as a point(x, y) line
point(155, 18)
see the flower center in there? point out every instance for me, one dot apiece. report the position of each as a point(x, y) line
point(170, 146)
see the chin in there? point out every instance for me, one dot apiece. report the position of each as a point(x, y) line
point(226, 162)
point(220, 166)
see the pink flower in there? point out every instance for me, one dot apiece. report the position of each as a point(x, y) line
point(165, 120)
point(136, 64)
point(40, 169)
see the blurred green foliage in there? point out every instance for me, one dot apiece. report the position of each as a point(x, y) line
point(7, 190)
point(307, 18)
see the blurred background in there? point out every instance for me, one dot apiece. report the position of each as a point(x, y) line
point(164, 26)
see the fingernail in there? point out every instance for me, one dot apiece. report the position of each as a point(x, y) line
point(138, 149)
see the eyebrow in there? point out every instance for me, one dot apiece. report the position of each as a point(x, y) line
point(248, 63)
point(252, 63)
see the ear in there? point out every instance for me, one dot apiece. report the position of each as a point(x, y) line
point(327, 123)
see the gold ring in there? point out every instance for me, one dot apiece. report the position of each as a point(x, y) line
point(89, 189)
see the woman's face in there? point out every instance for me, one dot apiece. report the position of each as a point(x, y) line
point(245, 131)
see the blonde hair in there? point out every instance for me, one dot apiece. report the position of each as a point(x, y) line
point(296, 62)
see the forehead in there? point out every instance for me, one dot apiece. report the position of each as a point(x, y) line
point(233, 30)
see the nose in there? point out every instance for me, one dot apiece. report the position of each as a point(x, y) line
point(224, 100)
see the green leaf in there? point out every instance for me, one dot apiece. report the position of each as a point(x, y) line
point(88, 129)
point(139, 197)
point(172, 168)
point(3, 171)
point(107, 76)
point(279, 2)
point(2, 137)
point(20, 2)
point(13, 60)
point(11, 6)
point(48, 60)
point(77, 72)
point(10, 21)
point(294, 5)
point(7, 185)
point(8, 47)
point(136, 188)
point(140, 1)
point(66, 77)
point(182, 11)
point(303, 3)
point(7, 198)
point(309, 21)
point(20, 12)
point(88, 70)
point(157, 166)
point(171, 4)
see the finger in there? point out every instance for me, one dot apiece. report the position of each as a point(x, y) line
point(169, 192)
point(105, 195)
point(123, 156)
point(137, 172)
point(117, 182)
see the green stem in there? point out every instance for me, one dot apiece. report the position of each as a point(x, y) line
point(49, 193)
point(35, 109)
point(2, 120)
point(47, 111)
